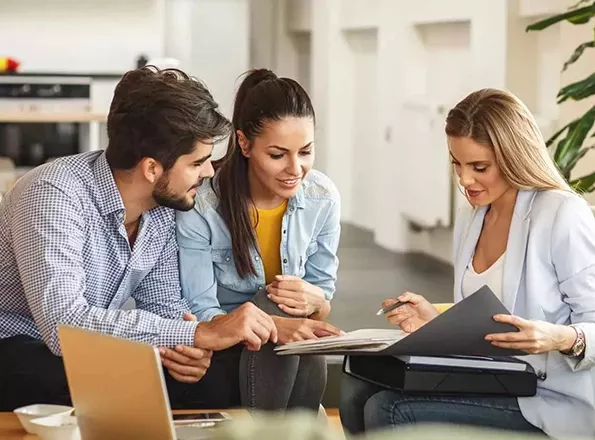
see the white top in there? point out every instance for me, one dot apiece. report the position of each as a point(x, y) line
point(550, 269)
point(492, 277)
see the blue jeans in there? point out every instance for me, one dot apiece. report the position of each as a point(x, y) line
point(366, 407)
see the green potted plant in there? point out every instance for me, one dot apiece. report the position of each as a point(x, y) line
point(574, 140)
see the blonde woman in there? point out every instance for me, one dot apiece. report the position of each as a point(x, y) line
point(531, 239)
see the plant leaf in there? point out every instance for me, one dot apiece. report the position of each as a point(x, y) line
point(584, 184)
point(577, 53)
point(569, 147)
point(575, 160)
point(575, 16)
point(557, 134)
point(582, 18)
point(578, 4)
point(578, 90)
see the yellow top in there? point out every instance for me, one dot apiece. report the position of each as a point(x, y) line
point(268, 234)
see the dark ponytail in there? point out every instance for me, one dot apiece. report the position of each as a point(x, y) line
point(262, 97)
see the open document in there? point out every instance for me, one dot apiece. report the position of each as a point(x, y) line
point(369, 340)
point(461, 330)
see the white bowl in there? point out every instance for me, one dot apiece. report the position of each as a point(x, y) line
point(57, 427)
point(27, 413)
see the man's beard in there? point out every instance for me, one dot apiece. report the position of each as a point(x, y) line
point(163, 197)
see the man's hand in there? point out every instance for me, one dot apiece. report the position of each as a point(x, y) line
point(186, 364)
point(247, 324)
point(299, 329)
point(295, 296)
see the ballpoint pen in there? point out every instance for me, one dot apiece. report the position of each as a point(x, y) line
point(385, 310)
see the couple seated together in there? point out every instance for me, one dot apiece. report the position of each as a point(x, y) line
point(225, 260)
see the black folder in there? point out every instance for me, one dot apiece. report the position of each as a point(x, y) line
point(413, 377)
point(461, 330)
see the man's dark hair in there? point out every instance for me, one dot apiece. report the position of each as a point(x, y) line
point(160, 114)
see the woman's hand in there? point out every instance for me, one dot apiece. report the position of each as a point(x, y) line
point(300, 329)
point(533, 336)
point(186, 364)
point(295, 296)
point(417, 312)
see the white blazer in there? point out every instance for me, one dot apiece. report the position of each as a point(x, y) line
point(548, 275)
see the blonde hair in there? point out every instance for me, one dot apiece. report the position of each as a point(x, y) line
point(501, 121)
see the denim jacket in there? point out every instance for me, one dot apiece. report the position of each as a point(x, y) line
point(310, 238)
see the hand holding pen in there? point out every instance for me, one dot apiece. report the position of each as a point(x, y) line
point(409, 311)
point(384, 310)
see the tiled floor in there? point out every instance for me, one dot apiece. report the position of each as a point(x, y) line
point(368, 274)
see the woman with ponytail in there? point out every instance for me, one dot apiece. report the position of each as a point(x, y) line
point(266, 229)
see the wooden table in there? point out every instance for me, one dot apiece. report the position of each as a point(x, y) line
point(11, 429)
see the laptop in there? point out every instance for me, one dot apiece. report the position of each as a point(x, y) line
point(118, 388)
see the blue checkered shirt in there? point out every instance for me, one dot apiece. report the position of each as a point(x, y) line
point(65, 258)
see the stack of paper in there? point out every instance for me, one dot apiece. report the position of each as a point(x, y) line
point(479, 362)
point(369, 340)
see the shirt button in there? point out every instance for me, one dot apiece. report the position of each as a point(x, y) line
point(257, 258)
point(291, 209)
point(261, 287)
point(285, 260)
point(284, 231)
point(227, 259)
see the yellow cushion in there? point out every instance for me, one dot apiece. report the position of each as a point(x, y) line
point(443, 307)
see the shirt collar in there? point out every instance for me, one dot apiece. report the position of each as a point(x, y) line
point(110, 199)
point(299, 200)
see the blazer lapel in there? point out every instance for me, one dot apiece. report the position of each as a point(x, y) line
point(467, 249)
point(516, 248)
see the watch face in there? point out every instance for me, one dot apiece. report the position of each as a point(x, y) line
point(580, 347)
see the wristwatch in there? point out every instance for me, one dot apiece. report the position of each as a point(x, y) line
point(578, 348)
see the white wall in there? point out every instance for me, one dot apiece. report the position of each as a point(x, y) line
point(211, 39)
point(298, 15)
point(362, 126)
point(302, 44)
point(531, 8)
point(438, 54)
point(179, 28)
point(547, 79)
point(220, 46)
point(81, 36)
point(359, 14)
point(263, 17)
point(332, 79)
